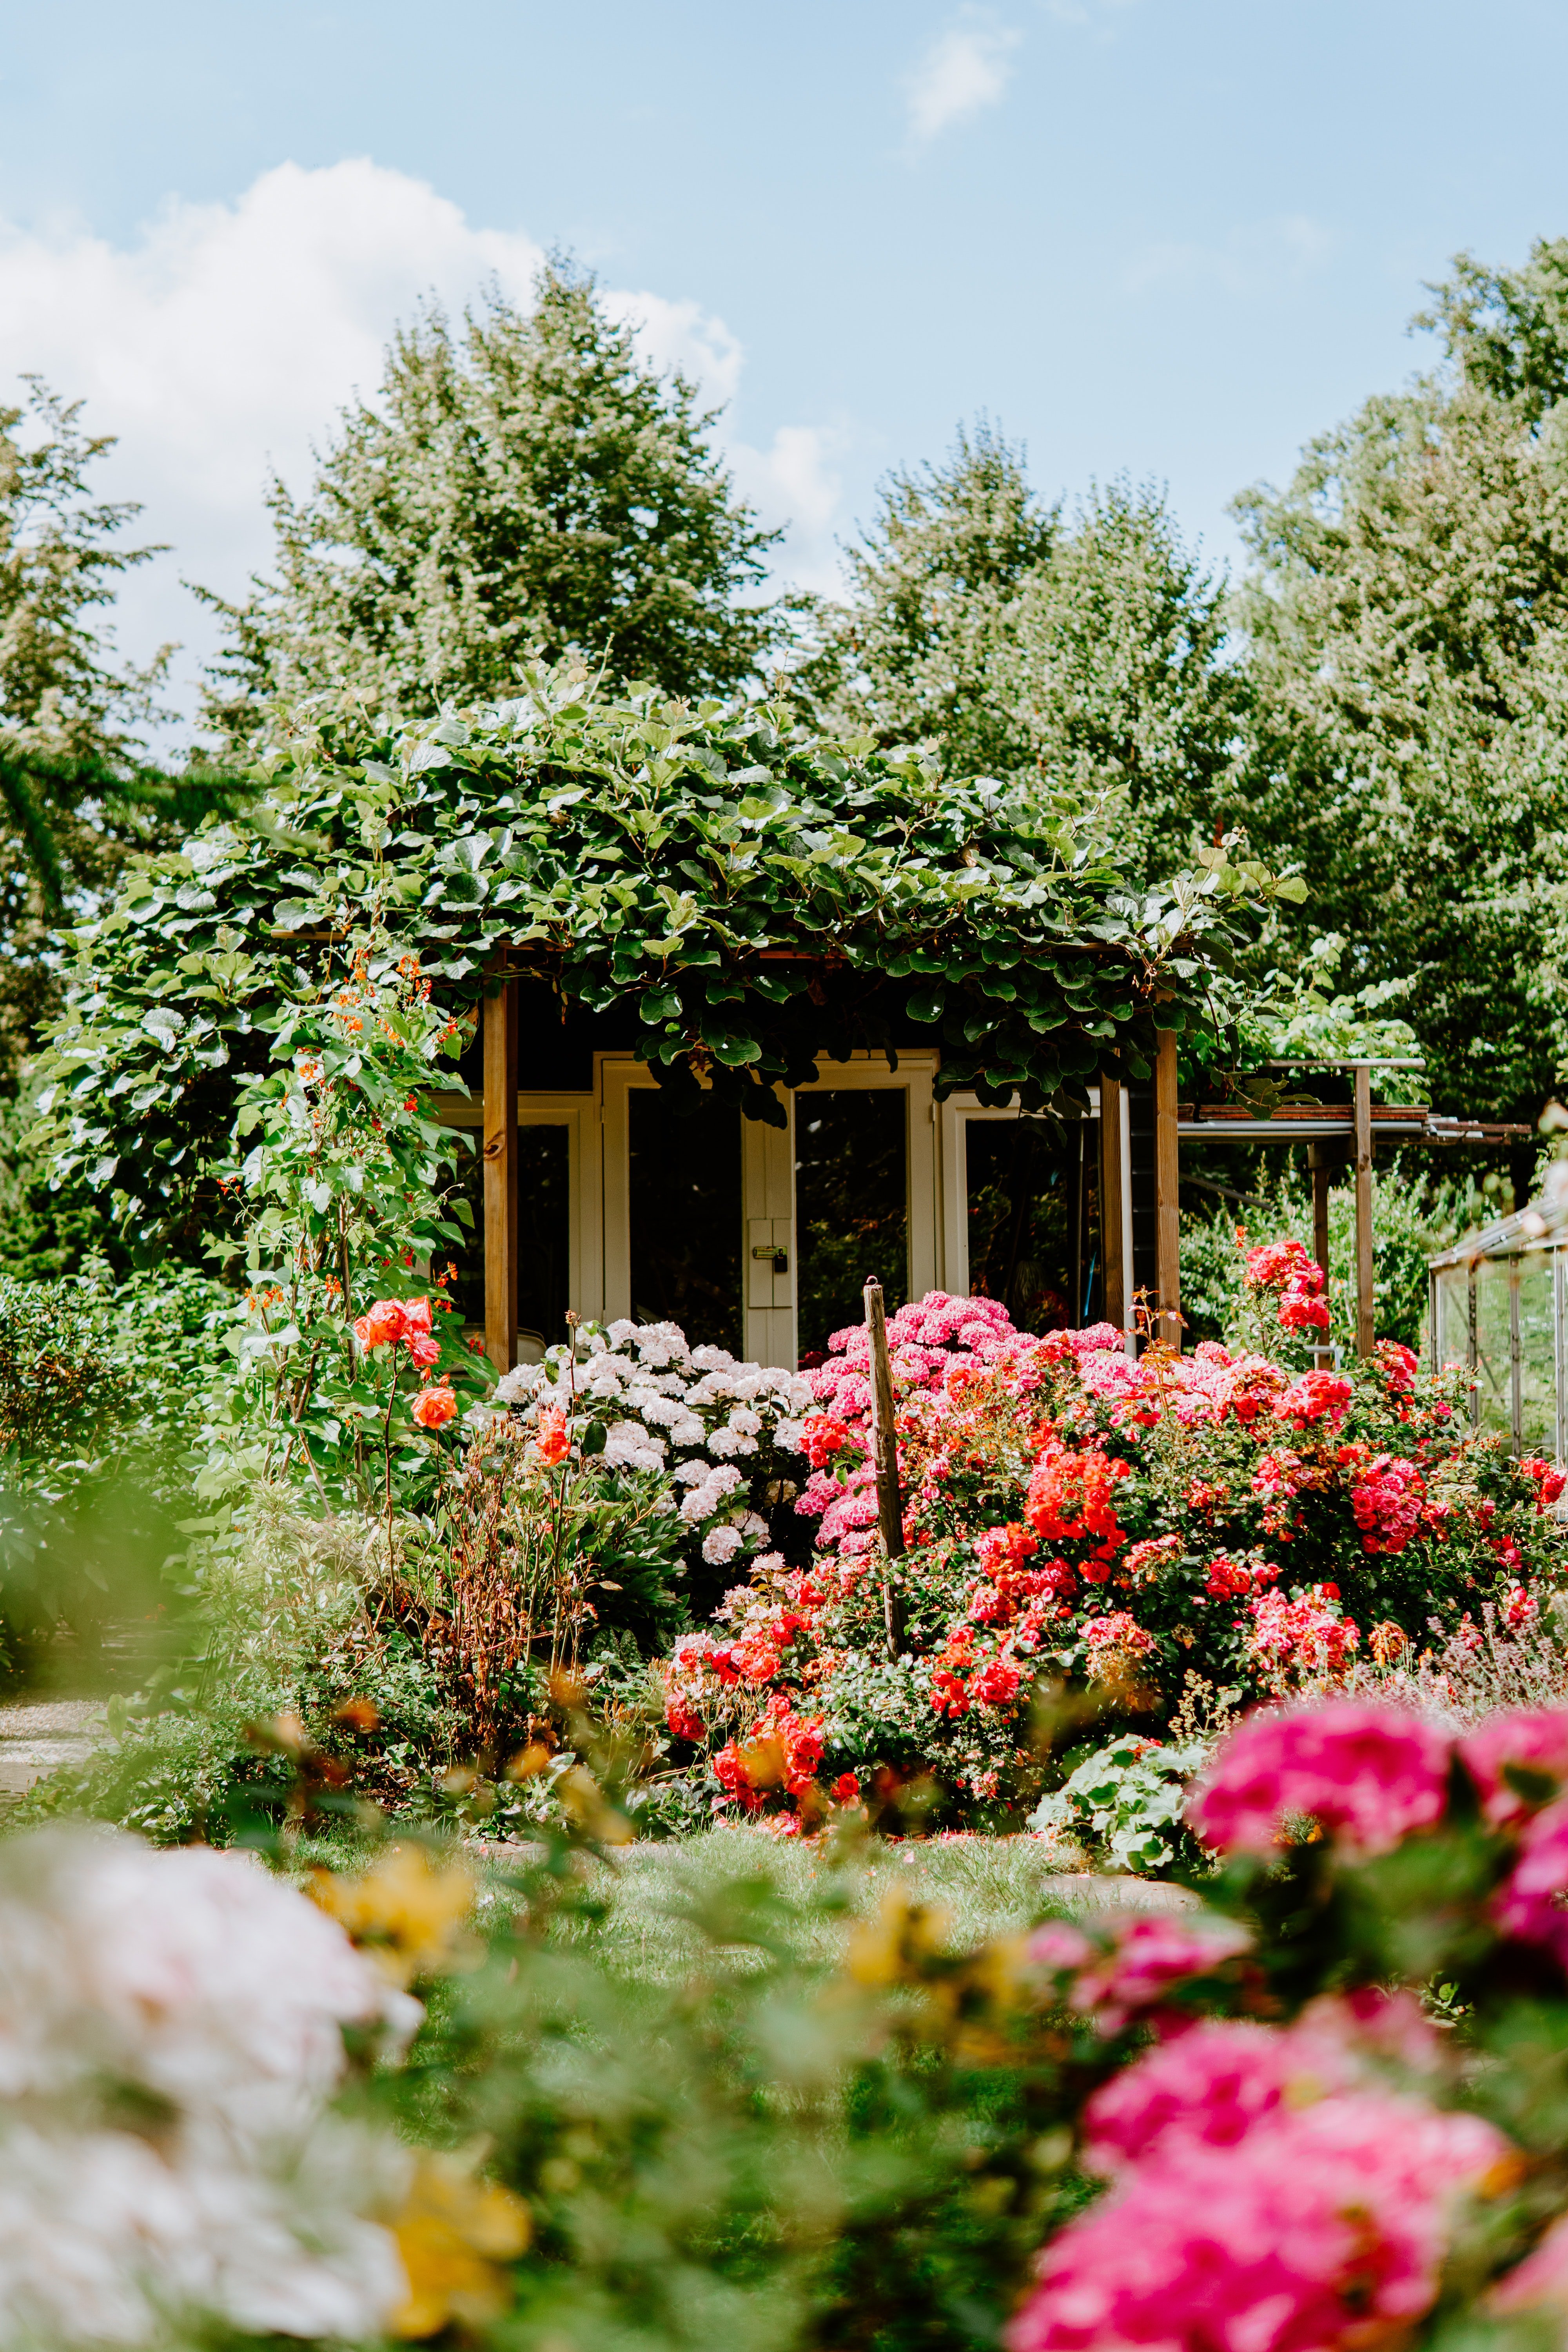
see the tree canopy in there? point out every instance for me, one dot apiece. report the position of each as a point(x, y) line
point(519, 487)
point(746, 896)
point(1406, 634)
point(1086, 648)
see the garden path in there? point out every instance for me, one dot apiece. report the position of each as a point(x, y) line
point(41, 1735)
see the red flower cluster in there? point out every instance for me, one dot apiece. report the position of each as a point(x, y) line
point(782, 1751)
point(1285, 1267)
point(392, 1319)
point(1389, 1500)
point(1549, 1480)
point(823, 1436)
point(551, 1440)
point(1296, 1640)
point(1070, 1501)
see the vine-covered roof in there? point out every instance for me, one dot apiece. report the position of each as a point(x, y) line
point(752, 897)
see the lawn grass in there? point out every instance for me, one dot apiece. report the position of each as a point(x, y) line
point(665, 1904)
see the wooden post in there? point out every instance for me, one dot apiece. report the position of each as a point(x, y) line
point(885, 1456)
point(500, 1175)
point(1318, 1162)
point(1110, 1202)
point(1363, 1266)
point(1167, 1194)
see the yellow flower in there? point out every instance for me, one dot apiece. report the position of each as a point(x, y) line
point(452, 2233)
point(408, 1911)
point(891, 1950)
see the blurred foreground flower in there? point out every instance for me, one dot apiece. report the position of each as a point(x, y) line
point(452, 2233)
point(171, 2031)
point(408, 1911)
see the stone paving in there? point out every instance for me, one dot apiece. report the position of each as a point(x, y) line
point(37, 1736)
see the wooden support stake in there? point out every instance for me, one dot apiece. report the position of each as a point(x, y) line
point(1318, 1161)
point(1364, 1262)
point(1110, 1202)
point(1167, 1194)
point(500, 1176)
point(885, 1456)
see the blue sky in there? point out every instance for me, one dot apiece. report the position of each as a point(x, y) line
point(1174, 237)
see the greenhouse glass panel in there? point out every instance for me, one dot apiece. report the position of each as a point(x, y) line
point(1538, 1428)
point(1494, 1352)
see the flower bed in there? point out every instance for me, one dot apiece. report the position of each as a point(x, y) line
point(1153, 1528)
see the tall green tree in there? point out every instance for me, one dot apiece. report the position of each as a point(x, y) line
point(72, 715)
point(1088, 648)
point(1406, 620)
point(910, 654)
point(519, 486)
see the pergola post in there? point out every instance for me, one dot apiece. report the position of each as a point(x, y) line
point(500, 1018)
point(1318, 1163)
point(1364, 1261)
point(1167, 1194)
point(1110, 1204)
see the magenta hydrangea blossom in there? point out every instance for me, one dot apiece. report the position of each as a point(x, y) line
point(1140, 1963)
point(1528, 1904)
point(1370, 1775)
point(1207, 2087)
point(1321, 2228)
point(1535, 1738)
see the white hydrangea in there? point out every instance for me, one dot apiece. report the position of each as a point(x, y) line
point(720, 1544)
point(219, 1994)
point(679, 1412)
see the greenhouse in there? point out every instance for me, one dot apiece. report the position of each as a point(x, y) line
point(1498, 1304)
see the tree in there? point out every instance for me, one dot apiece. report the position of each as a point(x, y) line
point(1088, 650)
point(912, 655)
point(1115, 669)
point(1406, 620)
point(71, 776)
point(523, 487)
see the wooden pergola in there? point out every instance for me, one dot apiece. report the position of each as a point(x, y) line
point(1336, 1135)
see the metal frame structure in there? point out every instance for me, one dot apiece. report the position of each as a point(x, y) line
point(1518, 1244)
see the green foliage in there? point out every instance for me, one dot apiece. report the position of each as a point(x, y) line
point(524, 488)
point(103, 1395)
point(754, 899)
point(1090, 653)
point(1127, 1799)
point(1405, 628)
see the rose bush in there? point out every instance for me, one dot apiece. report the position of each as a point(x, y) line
point(1142, 1528)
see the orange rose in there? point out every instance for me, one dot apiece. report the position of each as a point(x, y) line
point(416, 1315)
point(384, 1321)
point(434, 1407)
point(425, 1349)
point(551, 1437)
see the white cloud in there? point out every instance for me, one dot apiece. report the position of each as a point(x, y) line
point(964, 69)
point(1249, 260)
point(223, 342)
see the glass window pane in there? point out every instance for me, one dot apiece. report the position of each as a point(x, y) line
point(851, 1206)
point(1537, 1366)
point(1023, 1178)
point(544, 1236)
point(1493, 1371)
point(686, 1220)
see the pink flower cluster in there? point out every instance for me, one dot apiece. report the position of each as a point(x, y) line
point(1284, 1267)
point(926, 1341)
point(1132, 1967)
point(1389, 1501)
point(1265, 2199)
point(1302, 1639)
point(1368, 1775)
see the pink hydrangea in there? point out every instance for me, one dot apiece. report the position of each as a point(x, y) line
point(1137, 1964)
point(1530, 1903)
point(1325, 2228)
point(1370, 1775)
point(1535, 1740)
point(1207, 2087)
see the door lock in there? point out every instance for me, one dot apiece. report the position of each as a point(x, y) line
point(773, 1253)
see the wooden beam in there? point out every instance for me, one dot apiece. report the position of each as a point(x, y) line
point(1364, 1262)
point(1318, 1161)
point(500, 1175)
point(1167, 1194)
point(1110, 1202)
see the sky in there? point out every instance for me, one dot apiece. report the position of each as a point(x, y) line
point(1170, 239)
